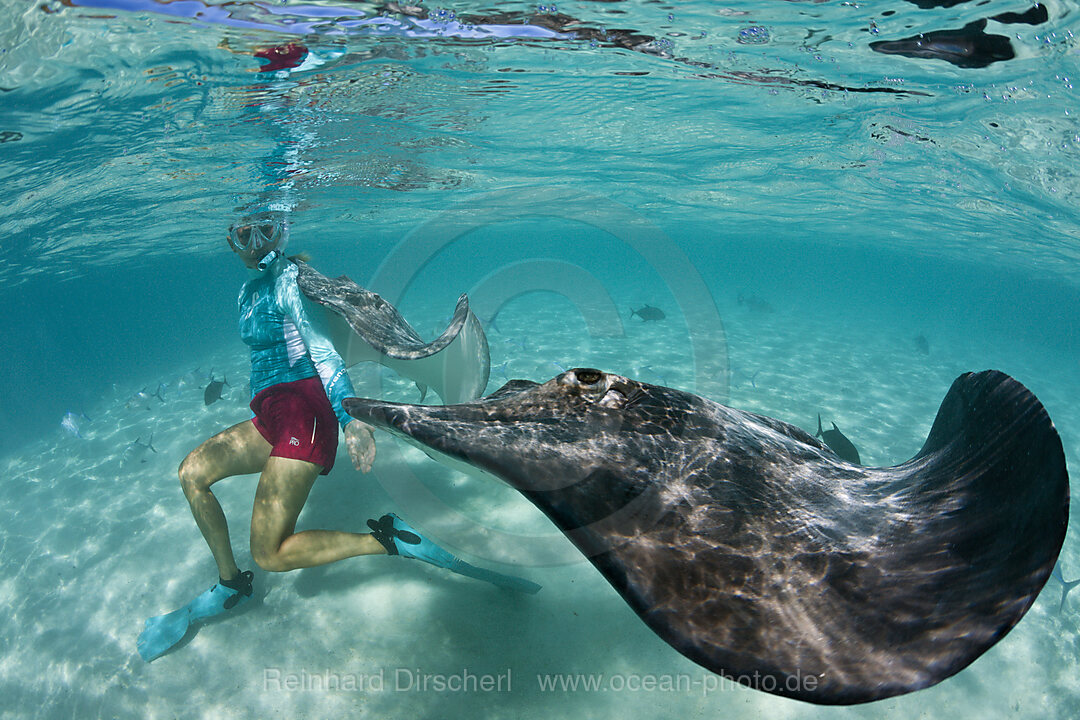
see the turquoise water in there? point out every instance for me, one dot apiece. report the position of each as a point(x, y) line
point(861, 199)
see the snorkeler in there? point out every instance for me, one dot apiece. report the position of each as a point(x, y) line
point(298, 382)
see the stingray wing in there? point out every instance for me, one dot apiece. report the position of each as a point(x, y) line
point(894, 584)
point(365, 327)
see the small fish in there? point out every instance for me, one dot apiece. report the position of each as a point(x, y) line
point(649, 369)
point(648, 314)
point(559, 365)
point(922, 344)
point(194, 377)
point(738, 375)
point(522, 343)
point(70, 423)
point(213, 391)
point(755, 304)
point(491, 324)
point(139, 448)
point(502, 370)
point(838, 443)
point(1066, 585)
point(142, 398)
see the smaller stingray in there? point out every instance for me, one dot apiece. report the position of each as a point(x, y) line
point(838, 443)
point(365, 327)
point(213, 391)
point(922, 344)
point(648, 314)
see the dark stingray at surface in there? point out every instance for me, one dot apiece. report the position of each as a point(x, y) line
point(967, 47)
point(838, 442)
point(752, 549)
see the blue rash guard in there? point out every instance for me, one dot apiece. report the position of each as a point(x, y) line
point(276, 321)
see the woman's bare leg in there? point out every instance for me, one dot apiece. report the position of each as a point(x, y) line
point(239, 450)
point(283, 490)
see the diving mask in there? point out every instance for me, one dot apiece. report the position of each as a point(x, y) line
point(258, 235)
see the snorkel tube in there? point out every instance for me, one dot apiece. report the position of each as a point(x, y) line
point(268, 259)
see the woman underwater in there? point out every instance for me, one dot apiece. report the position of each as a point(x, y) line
point(298, 382)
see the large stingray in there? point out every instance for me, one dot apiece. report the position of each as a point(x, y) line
point(754, 550)
point(363, 326)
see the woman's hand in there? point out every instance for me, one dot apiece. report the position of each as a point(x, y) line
point(360, 444)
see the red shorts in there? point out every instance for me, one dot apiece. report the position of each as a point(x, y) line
point(297, 419)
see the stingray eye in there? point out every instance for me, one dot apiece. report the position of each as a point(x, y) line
point(588, 376)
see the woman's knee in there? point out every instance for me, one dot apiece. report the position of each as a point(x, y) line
point(193, 478)
point(267, 555)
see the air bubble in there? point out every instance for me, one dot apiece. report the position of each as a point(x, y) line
point(753, 35)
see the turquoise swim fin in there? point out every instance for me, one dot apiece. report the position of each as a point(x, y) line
point(400, 539)
point(510, 582)
point(162, 632)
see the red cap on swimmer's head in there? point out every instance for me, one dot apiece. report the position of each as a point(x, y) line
point(281, 57)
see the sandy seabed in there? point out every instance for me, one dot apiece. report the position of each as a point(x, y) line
point(95, 536)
